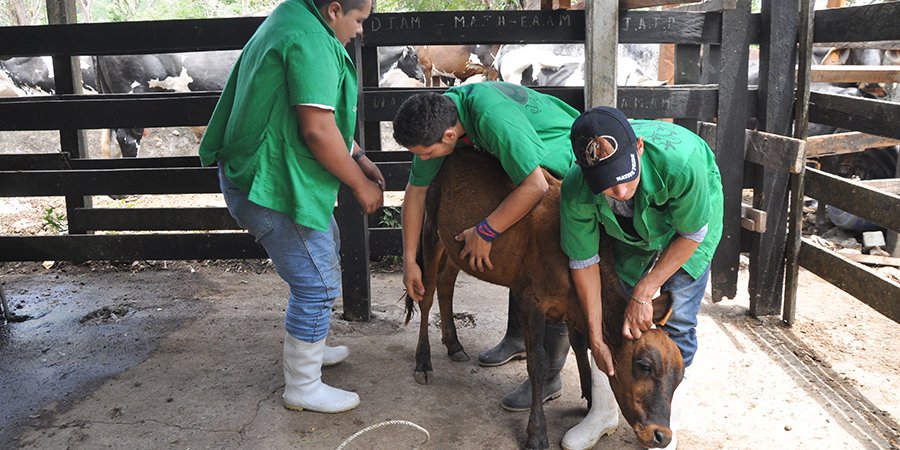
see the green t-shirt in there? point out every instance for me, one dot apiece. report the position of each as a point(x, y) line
point(680, 190)
point(292, 59)
point(522, 128)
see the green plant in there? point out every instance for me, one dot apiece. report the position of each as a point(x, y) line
point(55, 220)
point(390, 217)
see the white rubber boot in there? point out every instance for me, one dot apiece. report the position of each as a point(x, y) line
point(678, 399)
point(601, 420)
point(303, 386)
point(334, 355)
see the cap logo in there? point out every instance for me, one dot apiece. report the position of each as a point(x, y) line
point(596, 151)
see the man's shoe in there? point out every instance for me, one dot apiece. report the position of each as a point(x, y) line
point(520, 399)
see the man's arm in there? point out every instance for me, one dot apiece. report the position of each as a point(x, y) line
point(371, 171)
point(639, 312)
point(324, 139)
point(514, 207)
point(587, 285)
point(411, 217)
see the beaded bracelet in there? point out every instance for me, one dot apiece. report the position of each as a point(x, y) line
point(642, 302)
point(486, 231)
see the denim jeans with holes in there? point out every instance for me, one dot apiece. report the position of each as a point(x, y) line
point(307, 259)
point(687, 293)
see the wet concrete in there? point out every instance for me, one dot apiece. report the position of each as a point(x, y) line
point(80, 329)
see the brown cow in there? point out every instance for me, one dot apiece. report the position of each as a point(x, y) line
point(528, 260)
point(457, 61)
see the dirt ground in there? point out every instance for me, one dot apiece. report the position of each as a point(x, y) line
point(163, 354)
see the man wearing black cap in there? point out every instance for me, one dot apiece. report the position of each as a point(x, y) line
point(659, 196)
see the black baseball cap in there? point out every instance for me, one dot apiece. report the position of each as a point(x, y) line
point(605, 166)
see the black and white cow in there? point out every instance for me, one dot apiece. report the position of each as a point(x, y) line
point(120, 74)
point(34, 74)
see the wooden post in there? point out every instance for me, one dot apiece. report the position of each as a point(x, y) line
point(801, 125)
point(732, 121)
point(687, 71)
point(357, 288)
point(601, 19)
point(770, 186)
point(67, 80)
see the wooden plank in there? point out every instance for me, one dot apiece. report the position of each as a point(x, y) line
point(889, 185)
point(732, 120)
point(356, 282)
point(695, 101)
point(842, 143)
point(753, 219)
point(162, 36)
point(873, 260)
point(774, 151)
point(881, 45)
point(155, 219)
point(107, 111)
point(536, 27)
point(130, 247)
point(854, 113)
point(385, 242)
point(798, 184)
point(770, 150)
point(708, 5)
point(601, 44)
point(875, 22)
point(842, 74)
point(635, 4)
point(854, 197)
point(687, 71)
point(109, 182)
point(856, 279)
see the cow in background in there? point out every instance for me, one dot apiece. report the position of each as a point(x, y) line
point(563, 64)
point(456, 62)
point(121, 74)
point(34, 74)
point(402, 59)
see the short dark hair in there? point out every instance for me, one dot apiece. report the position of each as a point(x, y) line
point(422, 119)
point(346, 4)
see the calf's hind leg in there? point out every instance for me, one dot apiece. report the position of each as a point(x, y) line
point(446, 285)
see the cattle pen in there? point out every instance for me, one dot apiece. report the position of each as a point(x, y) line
point(710, 95)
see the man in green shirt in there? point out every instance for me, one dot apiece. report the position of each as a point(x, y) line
point(282, 136)
point(525, 130)
point(659, 197)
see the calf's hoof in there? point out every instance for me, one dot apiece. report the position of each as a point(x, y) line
point(423, 376)
point(459, 356)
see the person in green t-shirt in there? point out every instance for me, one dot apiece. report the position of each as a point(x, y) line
point(659, 197)
point(282, 136)
point(525, 130)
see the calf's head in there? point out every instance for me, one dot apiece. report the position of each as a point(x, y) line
point(647, 372)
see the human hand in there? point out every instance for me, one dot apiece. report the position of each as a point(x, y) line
point(369, 196)
point(603, 357)
point(638, 317)
point(477, 249)
point(371, 171)
point(412, 279)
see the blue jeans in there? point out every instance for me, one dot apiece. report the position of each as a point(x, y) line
point(307, 259)
point(687, 293)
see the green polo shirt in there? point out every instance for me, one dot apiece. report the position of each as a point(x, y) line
point(680, 190)
point(292, 59)
point(522, 128)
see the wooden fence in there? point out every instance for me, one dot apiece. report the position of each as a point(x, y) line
point(875, 25)
point(712, 43)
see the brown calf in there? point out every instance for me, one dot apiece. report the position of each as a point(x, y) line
point(528, 259)
point(455, 61)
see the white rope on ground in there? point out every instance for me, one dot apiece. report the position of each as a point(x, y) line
point(384, 424)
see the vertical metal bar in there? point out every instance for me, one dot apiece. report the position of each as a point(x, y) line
point(801, 125)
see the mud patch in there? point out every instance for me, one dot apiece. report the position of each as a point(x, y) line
point(105, 314)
